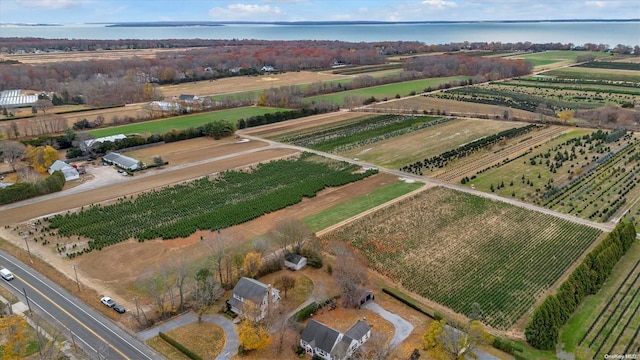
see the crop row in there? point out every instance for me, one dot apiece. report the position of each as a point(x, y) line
point(361, 132)
point(455, 261)
point(180, 210)
point(558, 80)
point(441, 160)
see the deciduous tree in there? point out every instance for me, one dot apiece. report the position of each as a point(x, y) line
point(252, 263)
point(445, 342)
point(41, 157)
point(285, 283)
point(12, 151)
point(350, 273)
point(14, 328)
point(253, 335)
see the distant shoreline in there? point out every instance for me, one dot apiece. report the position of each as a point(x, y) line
point(316, 23)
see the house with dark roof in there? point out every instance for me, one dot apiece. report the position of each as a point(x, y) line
point(250, 294)
point(295, 261)
point(330, 344)
point(69, 172)
point(122, 161)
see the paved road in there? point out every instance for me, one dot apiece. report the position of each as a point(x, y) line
point(98, 336)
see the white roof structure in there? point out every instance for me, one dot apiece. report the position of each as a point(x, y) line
point(14, 98)
point(112, 138)
point(122, 161)
point(70, 173)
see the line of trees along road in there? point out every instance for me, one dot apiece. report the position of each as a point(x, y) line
point(543, 328)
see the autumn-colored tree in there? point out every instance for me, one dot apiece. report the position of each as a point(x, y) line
point(566, 115)
point(262, 99)
point(41, 157)
point(252, 263)
point(443, 342)
point(285, 283)
point(253, 335)
point(14, 327)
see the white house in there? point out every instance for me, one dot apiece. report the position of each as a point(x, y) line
point(69, 172)
point(253, 293)
point(295, 261)
point(330, 344)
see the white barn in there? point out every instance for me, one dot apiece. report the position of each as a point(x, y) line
point(121, 161)
point(70, 173)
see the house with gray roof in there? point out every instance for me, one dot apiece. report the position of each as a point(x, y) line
point(330, 344)
point(69, 172)
point(251, 293)
point(122, 161)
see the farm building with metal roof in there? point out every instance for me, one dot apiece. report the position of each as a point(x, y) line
point(120, 160)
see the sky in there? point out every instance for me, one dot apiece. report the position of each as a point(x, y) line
point(87, 11)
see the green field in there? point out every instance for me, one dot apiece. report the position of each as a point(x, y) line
point(359, 204)
point(387, 91)
point(458, 249)
point(581, 320)
point(549, 57)
point(184, 122)
point(582, 73)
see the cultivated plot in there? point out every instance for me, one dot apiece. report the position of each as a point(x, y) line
point(458, 249)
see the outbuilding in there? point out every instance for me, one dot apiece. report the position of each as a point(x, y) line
point(69, 172)
point(294, 261)
point(121, 161)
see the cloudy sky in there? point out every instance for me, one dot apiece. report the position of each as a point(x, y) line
point(85, 11)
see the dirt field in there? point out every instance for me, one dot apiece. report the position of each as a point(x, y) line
point(114, 269)
point(44, 58)
point(247, 83)
point(304, 123)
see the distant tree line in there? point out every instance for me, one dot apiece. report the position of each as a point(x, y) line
point(543, 327)
point(485, 68)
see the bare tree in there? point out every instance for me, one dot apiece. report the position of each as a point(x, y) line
point(156, 288)
point(285, 283)
point(292, 232)
point(12, 151)
point(350, 273)
point(260, 245)
point(207, 291)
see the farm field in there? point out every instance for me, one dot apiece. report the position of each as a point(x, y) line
point(360, 204)
point(556, 57)
point(529, 98)
point(309, 123)
point(359, 132)
point(596, 318)
point(402, 150)
point(577, 173)
point(248, 83)
point(582, 73)
point(430, 242)
point(388, 91)
point(433, 105)
point(184, 122)
point(217, 202)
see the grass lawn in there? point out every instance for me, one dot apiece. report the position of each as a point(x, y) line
point(362, 203)
point(587, 312)
point(209, 342)
point(184, 122)
point(167, 350)
point(389, 90)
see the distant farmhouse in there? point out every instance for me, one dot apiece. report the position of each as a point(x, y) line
point(70, 173)
point(15, 98)
point(320, 340)
point(121, 161)
point(251, 292)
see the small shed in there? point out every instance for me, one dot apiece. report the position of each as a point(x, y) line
point(295, 261)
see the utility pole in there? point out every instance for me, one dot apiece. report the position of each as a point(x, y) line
point(76, 271)
point(24, 237)
point(27, 298)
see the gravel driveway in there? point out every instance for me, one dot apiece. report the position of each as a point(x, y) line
point(403, 327)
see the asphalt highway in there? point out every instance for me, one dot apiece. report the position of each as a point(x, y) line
point(97, 335)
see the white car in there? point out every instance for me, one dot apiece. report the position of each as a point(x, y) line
point(6, 274)
point(108, 301)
